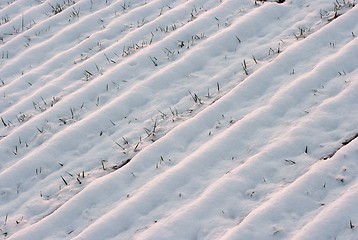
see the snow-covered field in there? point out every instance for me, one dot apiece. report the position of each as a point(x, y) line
point(178, 119)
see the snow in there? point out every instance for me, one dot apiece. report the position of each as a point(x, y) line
point(173, 119)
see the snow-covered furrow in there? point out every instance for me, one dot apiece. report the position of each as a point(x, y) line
point(85, 95)
point(84, 41)
point(75, 77)
point(62, 108)
point(38, 155)
point(219, 192)
point(222, 114)
point(97, 90)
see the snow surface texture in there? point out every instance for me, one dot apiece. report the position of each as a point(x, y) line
point(178, 119)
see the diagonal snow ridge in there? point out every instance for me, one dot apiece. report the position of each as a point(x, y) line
point(172, 119)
